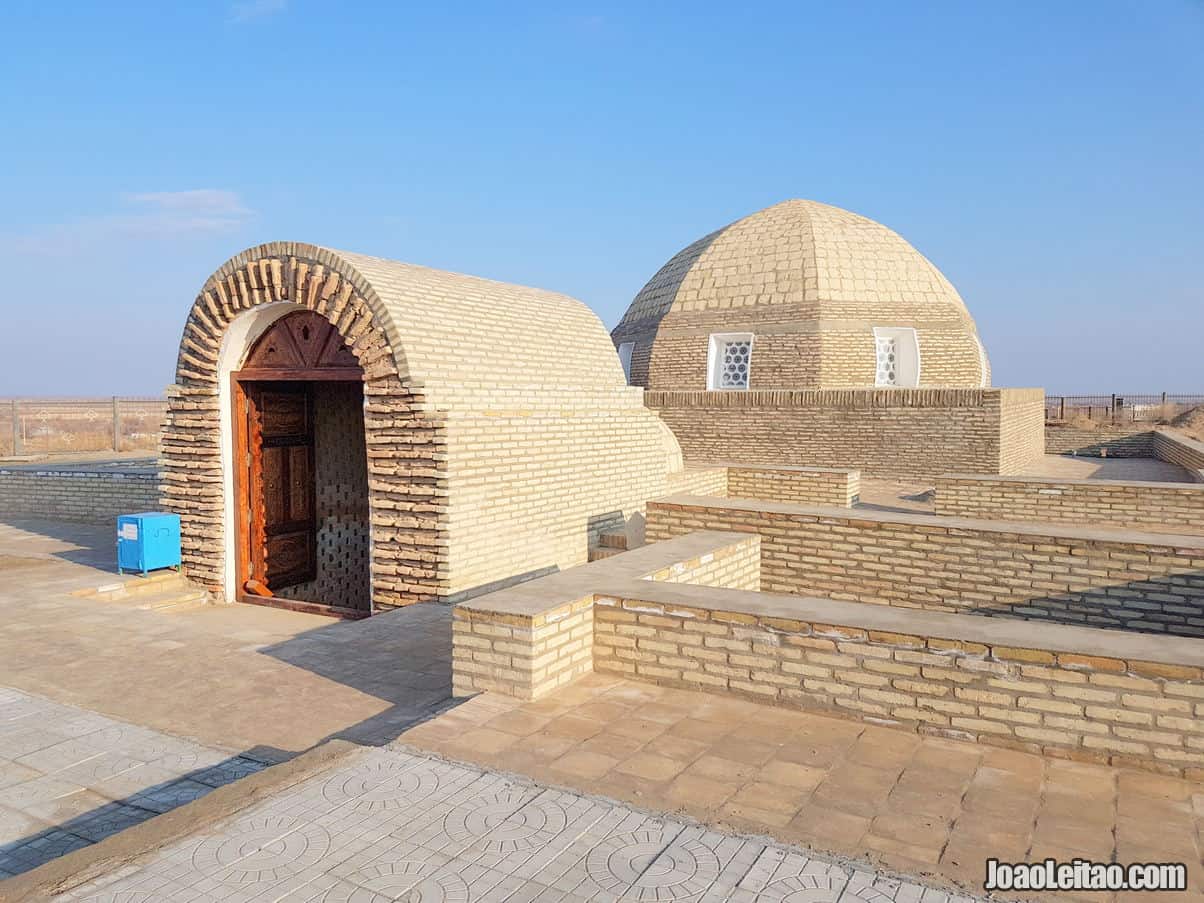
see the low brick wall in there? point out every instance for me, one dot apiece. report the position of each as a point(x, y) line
point(1165, 507)
point(1176, 448)
point(796, 485)
point(1119, 441)
point(1067, 692)
point(1075, 575)
point(699, 481)
point(892, 432)
point(81, 496)
point(527, 640)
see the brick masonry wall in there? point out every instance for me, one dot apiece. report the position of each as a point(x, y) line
point(522, 656)
point(699, 481)
point(1121, 441)
point(1102, 578)
point(528, 654)
point(1165, 507)
point(1176, 448)
point(796, 485)
point(891, 432)
point(82, 497)
point(735, 566)
point(1067, 704)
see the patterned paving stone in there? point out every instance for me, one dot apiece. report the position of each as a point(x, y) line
point(70, 777)
point(392, 825)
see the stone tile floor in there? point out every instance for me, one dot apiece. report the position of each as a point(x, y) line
point(924, 806)
point(69, 778)
point(245, 671)
point(391, 825)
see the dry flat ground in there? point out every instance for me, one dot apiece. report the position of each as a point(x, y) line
point(249, 679)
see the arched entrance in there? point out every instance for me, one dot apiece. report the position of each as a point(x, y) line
point(302, 527)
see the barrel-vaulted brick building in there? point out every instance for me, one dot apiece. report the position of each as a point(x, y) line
point(358, 433)
point(806, 334)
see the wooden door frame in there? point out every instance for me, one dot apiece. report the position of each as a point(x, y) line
point(242, 488)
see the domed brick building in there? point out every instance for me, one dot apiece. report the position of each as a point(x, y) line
point(804, 334)
point(353, 434)
point(800, 295)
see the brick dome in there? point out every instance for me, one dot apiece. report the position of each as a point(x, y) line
point(827, 296)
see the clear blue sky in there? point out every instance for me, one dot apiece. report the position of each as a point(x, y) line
point(1048, 157)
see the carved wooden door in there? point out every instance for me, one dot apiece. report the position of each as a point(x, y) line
point(283, 531)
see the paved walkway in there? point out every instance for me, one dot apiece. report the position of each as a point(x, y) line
point(234, 676)
point(69, 778)
point(390, 825)
point(920, 805)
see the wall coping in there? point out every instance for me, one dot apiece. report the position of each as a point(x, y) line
point(788, 468)
point(544, 593)
point(1176, 542)
point(94, 472)
point(1076, 481)
point(1006, 632)
point(1182, 438)
point(853, 398)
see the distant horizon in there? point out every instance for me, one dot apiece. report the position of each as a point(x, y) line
point(1046, 158)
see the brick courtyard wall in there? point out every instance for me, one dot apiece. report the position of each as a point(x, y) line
point(796, 485)
point(1075, 575)
point(1163, 507)
point(86, 497)
point(1116, 441)
point(527, 640)
point(1074, 693)
point(892, 432)
point(1176, 448)
point(699, 481)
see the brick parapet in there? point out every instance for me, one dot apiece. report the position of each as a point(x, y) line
point(529, 639)
point(1175, 447)
point(80, 496)
point(1165, 507)
point(1050, 572)
point(891, 432)
point(1066, 692)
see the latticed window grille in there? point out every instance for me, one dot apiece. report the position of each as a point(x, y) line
point(888, 361)
point(733, 370)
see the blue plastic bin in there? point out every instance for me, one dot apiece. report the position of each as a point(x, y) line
point(148, 542)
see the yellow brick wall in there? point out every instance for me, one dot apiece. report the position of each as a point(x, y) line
point(939, 564)
point(1176, 508)
point(796, 485)
point(891, 432)
point(1176, 448)
point(1069, 704)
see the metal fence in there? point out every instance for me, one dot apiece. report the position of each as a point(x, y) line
point(40, 425)
point(1127, 408)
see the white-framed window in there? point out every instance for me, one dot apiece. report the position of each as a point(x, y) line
point(896, 357)
point(625, 349)
point(729, 360)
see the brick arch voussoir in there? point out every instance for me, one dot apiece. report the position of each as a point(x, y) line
point(406, 443)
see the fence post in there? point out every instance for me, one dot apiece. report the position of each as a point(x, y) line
point(16, 429)
point(116, 425)
point(1062, 408)
point(1113, 408)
